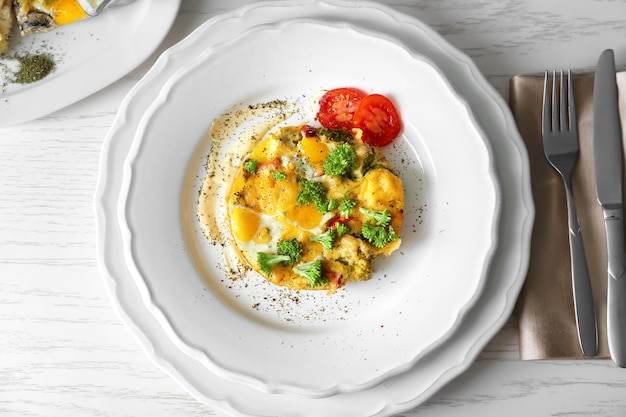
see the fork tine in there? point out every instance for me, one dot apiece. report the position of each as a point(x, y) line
point(555, 103)
point(563, 111)
point(570, 99)
point(547, 108)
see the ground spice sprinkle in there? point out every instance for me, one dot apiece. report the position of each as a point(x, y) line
point(33, 67)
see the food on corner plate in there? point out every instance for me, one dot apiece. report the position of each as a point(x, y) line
point(7, 20)
point(35, 16)
point(312, 205)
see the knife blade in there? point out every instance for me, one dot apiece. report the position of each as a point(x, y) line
point(608, 159)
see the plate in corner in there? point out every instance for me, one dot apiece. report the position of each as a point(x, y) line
point(89, 55)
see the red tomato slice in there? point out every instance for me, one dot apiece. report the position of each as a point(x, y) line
point(337, 107)
point(379, 120)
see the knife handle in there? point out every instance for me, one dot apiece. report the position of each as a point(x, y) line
point(614, 223)
point(616, 289)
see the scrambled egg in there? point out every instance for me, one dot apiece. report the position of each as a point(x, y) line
point(334, 196)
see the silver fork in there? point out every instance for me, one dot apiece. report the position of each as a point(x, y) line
point(561, 148)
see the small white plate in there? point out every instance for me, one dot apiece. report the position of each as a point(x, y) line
point(251, 331)
point(90, 54)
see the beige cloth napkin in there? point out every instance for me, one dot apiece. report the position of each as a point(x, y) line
point(545, 309)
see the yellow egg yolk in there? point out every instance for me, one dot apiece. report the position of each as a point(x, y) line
point(66, 11)
point(245, 223)
point(306, 216)
point(314, 149)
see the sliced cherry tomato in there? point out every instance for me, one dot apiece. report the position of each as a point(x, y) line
point(337, 107)
point(379, 120)
point(339, 219)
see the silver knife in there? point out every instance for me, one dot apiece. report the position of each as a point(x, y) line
point(608, 156)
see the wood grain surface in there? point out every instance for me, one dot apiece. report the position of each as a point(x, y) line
point(64, 351)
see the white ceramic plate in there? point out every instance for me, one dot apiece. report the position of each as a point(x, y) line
point(250, 330)
point(438, 367)
point(90, 54)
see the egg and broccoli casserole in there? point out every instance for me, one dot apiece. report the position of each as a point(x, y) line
point(311, 208)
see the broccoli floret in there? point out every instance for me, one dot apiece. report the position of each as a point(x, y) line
point(336, 135)
point(340, 160)
point(292, 248)
point(267, 261)
point(250, 165)
point(279, 176)
point(381, 217)
point(328, 239)
point(341, 229)
point(312, 271)
point(289, 252)
point(371, 161)
point(377, 234)
point(345, 207)
point(314, 192)
point(332, 204)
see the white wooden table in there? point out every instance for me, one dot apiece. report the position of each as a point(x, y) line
point(64, 351)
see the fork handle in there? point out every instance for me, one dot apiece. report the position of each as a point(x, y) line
point(581, 285)
point(616, 288)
